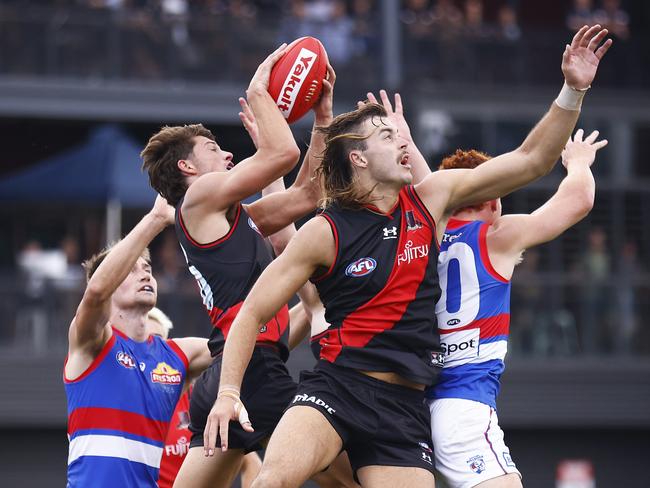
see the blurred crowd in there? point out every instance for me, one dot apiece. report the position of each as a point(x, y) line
point(591, 307)
point(216, 40)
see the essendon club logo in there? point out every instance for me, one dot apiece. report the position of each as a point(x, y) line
point(166, 375)
point(125, 359)
point(361, 267)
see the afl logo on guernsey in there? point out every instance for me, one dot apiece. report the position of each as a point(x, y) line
point(361, 267)
point(166, 375)
point(125, 360)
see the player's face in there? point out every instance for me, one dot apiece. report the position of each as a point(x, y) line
point(209, 157)
point(139, 288)
point(386, 153)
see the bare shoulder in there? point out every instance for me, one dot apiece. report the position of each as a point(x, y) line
point(315, 242)
point(505, 234)
point(435, 189)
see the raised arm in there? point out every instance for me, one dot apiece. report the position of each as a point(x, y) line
point(311, 248)
point(277, 152)
point(444, 191)
point(279, 208)
point(419, 167)
point(89, 330)
point(512, 234)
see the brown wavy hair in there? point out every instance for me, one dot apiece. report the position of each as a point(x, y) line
point(341, 137)
point(161, 155)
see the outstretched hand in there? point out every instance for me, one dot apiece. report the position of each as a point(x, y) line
point(583, 152)
point(580, 59)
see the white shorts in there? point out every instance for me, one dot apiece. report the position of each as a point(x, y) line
point(468, 442)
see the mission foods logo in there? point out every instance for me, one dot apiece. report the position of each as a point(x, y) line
point(166, 375)
point(361, 267)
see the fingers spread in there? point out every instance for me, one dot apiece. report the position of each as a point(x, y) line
point(598, 38)
point(600, 144)
point(588, 35)
point(386, 101)
point(575, 42)
point(398, 104)
point(578, 135)
point(592, 137)
point(371, 97)
point(603, 49)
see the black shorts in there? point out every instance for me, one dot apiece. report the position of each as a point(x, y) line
point(380, 424)
point(266, 391)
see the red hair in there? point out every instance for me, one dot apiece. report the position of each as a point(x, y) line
point(462, 159)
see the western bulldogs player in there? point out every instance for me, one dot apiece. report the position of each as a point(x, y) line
point(372, 254)
point(478, 254)
point(223, 244)
point(177, 442)
point(121, 383)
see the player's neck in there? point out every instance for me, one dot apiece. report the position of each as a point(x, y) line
point(384, 198)
point(131, 322)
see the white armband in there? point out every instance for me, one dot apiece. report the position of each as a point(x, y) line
point(570, 98)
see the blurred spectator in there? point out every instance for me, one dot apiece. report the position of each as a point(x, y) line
point(595, 276)
point(582, 13)
point(614, 18)
point(625, 325)
point(364, 27)
point(528, 305)
point(475, 27)
point(508, 26)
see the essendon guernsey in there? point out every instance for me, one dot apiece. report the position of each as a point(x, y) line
point(379, 293)
point(225, 271)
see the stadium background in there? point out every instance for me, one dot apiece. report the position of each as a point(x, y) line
point(83, 83)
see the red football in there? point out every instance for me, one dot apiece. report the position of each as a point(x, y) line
point(297, 78)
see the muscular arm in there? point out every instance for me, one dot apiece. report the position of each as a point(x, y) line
point(311, 248)
point(277, 153)
point(447, 190)
point(89, 329)
point(512, 234)
point(275, 213)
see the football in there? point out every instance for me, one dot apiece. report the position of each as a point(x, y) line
point(297, 78)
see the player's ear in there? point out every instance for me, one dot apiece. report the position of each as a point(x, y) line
point(357, 159)
point(186, 167)
point(493, 205)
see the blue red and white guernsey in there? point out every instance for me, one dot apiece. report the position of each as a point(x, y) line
point(225, 271)
point(473, 316)
point(380, 290)
point(119, 411)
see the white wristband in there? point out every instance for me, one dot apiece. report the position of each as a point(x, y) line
point(570, 98)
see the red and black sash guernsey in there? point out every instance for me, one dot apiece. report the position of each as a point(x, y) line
point(225, 271)
point(380, 292)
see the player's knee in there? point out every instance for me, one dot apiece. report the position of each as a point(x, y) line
point(271, 478)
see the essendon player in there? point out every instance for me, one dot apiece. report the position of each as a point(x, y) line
point(375, 270)
point(225, 251)
point(478, 255)
point(121, 383)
